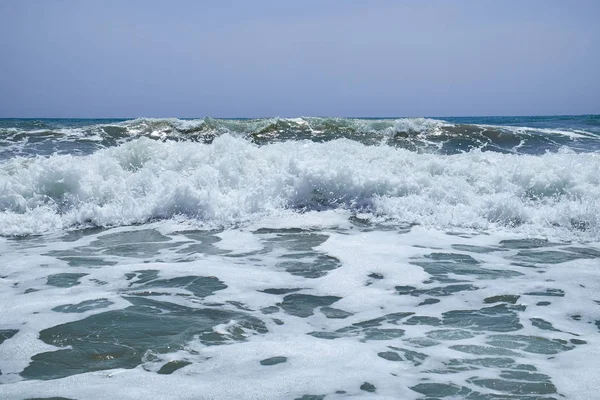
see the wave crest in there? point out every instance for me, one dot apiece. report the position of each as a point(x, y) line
point(415, 134)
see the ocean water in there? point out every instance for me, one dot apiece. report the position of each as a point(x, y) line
point(305, 258)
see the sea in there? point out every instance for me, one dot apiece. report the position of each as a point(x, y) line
point(300, 258)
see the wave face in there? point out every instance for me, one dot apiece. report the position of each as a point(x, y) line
point(233, 180)
point(523, 135)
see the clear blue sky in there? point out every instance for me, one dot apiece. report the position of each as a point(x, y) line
point(113, 58)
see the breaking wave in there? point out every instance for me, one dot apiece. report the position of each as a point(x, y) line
point(233, 180)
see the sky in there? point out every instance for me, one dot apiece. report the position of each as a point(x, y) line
point(262, 58)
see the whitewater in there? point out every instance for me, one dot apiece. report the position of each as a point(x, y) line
point(301, 258)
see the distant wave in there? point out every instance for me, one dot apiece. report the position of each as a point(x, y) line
point(416, 134)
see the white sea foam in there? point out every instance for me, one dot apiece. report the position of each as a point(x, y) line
point(572, 133)
point(313, 366)
point(232, 181)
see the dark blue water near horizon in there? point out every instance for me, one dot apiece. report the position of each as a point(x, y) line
point(543, 121)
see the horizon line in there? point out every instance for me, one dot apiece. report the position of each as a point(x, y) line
point(312, 116)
